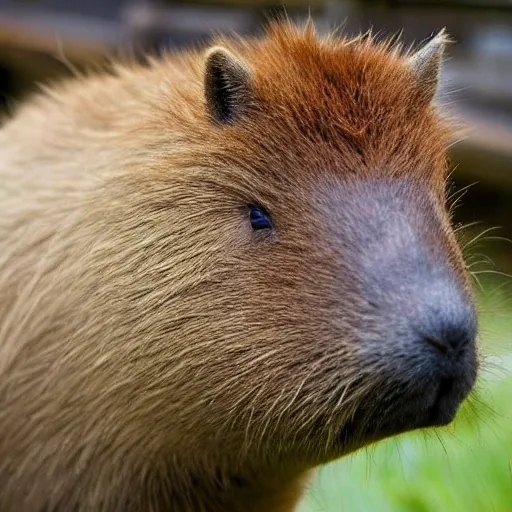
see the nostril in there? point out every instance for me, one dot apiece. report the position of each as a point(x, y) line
point(459, 336)
point(437, 343)
point(451, 330)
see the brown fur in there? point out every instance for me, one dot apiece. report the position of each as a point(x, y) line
point(153, 356)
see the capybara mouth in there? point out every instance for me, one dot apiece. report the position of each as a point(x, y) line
point(432, 403)
point(450, 396)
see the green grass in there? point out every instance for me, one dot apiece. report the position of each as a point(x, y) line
point(464, 468)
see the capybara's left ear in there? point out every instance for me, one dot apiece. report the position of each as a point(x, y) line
point(227, 85)
point(426, 64)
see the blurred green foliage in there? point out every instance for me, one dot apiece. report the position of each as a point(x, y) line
point(466, 467)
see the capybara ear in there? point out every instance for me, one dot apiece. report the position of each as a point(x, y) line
point(426, 64)
point(227, 85)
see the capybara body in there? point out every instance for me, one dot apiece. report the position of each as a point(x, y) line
point(223, 269)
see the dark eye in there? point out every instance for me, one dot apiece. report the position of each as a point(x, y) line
point(259, 218)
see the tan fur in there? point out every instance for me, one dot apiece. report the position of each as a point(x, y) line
point(151, 356)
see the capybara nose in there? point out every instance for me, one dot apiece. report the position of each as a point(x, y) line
point(452, 338)
point(436, 355)
point(447, 320)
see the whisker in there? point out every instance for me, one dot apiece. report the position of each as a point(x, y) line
point(475, 277)
point(440, 439)
point(479, 236)
point(497, 272)
point(467, 226)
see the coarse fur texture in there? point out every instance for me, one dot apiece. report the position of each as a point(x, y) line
point(156, 353)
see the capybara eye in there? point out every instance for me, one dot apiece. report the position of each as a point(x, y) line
point(259, 218)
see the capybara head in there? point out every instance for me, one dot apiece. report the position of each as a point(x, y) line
point(262, 269)
point(329, 304)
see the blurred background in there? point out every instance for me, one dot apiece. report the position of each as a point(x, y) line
point(467, 467)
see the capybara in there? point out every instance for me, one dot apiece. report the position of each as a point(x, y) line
point(222, 268)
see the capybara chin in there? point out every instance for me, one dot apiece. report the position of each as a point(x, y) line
point(223, 269)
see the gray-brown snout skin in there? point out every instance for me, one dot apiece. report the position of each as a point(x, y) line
point(419, 326)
